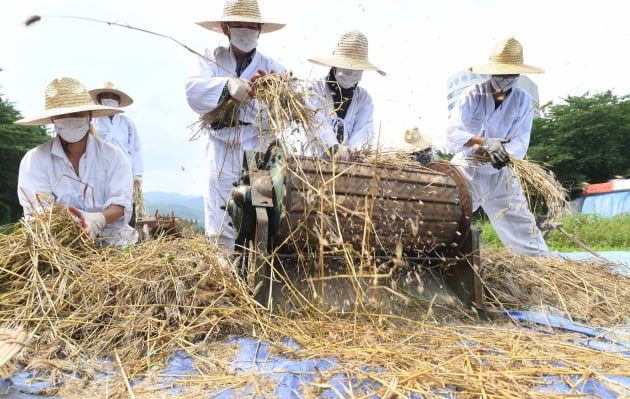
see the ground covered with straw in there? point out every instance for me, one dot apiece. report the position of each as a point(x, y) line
point(126, 313)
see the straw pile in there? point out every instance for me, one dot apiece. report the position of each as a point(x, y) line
point(80, 300)
point(584, 291)
point(125, 312)
point(137, 306)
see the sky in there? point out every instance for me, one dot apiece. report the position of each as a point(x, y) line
point(583, 46)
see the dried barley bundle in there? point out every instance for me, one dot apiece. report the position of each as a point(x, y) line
point(536, 180)
point(282, 101)
point(138, 200)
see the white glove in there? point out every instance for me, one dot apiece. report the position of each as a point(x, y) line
point(137, 179)
point(92, 222)
point(239, 89)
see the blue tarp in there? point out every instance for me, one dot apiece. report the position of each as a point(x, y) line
point(290, 376)
point(607, 204)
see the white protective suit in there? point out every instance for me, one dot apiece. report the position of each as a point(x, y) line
point(358, 126)
point(498, 192)
point(104, 179)
point(225, 146)
point(121, 131)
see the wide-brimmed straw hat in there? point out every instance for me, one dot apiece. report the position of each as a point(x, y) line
point(351, 53)
point(241, 11)
point(506, 59)
point(109, 87)
point(416, 140)
point(66, 96)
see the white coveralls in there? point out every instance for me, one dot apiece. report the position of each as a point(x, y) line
point(358, 126)
point(225, 146)
point(121, 131)
point(104, 179)
point(498, 192)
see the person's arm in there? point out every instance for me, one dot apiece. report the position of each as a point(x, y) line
point(112, 213)
point(474, 140)
point(33, 179)
point(205, 85)
point(322, 135)
point(118, 182)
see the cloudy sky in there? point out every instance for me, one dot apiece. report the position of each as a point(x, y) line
point(583, 46)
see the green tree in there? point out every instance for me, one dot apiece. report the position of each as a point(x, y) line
point(586, 140)
point(15, 140)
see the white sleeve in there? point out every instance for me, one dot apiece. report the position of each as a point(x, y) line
point(205, 85)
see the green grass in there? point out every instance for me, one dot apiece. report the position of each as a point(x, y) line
point(596, 232)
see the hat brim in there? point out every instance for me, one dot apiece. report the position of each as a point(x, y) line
point(505, 69)
point(45, 118)
point(267, 27)
point(346, 63)
point(125, 100)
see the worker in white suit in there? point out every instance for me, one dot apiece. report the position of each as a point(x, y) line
point(346, 108)
point(120, 130)
point(497, 117)
point(229, 75)
point(77, 169)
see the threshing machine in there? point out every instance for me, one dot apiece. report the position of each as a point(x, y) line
point(336, 232)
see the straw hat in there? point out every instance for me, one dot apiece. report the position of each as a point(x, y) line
point(351, 53)
point(506, 59)
point(66, 96)
point(416, 140)
point(241, 11)
point(109, 87)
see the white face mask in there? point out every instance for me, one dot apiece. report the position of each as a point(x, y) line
point(72, 130)
point(503, 84)
point(244, 39)
point(348, 78)
point(109, 102)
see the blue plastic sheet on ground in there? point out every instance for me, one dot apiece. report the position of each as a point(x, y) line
point(289, 377)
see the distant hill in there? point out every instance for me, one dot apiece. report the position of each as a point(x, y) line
point(184, 206)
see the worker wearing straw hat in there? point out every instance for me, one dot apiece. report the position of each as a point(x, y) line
point(347, 106)
point(420, 145)
point(77, 169)
point(211, 85)
point(497, 117)
point(119, 130)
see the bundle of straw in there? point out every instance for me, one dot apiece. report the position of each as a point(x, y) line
point(138, 200)
point(535, 180)
point(281, 101)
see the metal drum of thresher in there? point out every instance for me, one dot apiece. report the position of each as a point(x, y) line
point(298, 209)
point(419, 209)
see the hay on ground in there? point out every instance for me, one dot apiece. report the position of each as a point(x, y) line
point(137, 306)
